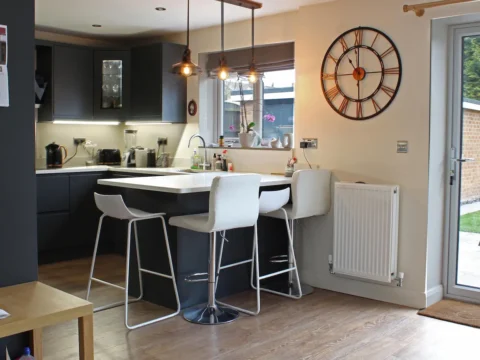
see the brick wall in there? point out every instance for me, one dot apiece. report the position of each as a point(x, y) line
point(471, 149)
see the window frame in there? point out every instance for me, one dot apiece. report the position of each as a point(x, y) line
point(219, 99)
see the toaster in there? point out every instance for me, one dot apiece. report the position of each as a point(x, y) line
point(109, 157)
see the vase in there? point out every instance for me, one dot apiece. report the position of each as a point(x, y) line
point(247, 140)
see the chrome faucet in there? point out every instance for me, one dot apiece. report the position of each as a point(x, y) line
point(205, 165)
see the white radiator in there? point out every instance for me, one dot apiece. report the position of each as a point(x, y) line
point(366, 231)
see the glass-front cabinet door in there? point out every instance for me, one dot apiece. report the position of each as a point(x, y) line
point(112, 84)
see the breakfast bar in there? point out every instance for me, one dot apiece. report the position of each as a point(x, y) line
point(184, 195)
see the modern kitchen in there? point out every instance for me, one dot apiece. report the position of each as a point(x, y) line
point(287, 173)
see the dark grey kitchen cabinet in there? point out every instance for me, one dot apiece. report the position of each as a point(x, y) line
point(157, 94)
point(53, 231)
point(112, 83)
point(73, 82)
point(53, 193)
point(68, 70)
point(84, 214)
point(67, 216)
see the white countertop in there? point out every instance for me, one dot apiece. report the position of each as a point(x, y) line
point(102, 168)
point(185, 184)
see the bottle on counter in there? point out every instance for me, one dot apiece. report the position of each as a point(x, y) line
point(218, 163)
point(195, 161)
point(221, 141)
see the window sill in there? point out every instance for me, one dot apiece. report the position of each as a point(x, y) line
point(242, 148)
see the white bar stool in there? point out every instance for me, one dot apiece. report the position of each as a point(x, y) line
point(233, 204)
point(114, 207)
point(269, 201)
point(311, 196)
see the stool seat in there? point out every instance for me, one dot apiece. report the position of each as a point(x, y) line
point(140, 214)
point(279, 214)
point(197, 222)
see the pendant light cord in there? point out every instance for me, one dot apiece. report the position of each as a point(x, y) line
point(223, 30)
point(253, 35)
point(188, 24)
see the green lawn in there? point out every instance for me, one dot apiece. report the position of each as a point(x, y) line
point(470, 222)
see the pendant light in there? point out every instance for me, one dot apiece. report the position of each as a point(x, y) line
point(186, 67)
point(223, 71)
point(252, 74)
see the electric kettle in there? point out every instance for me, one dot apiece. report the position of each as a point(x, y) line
point(56, 155)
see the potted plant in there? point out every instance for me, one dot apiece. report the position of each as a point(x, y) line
point(248, 136)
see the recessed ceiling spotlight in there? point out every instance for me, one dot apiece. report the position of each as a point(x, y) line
point(97, 25)
point(160, 8)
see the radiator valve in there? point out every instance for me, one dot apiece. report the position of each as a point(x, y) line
point(399, 279)
point(330, 264)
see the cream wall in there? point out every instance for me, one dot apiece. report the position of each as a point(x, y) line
point(358, 151)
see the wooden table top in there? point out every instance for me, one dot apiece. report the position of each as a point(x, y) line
point(35, 305)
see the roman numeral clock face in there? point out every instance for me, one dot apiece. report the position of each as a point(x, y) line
point(361, 73)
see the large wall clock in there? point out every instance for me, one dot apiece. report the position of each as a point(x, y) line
point(361, 73)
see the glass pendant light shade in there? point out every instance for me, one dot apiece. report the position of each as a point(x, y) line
point(223, 71)
point(186, 67)
point(253, 75)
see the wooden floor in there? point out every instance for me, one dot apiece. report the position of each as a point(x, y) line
point(324, 325)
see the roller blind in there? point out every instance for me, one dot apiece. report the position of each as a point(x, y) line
point(267, 58)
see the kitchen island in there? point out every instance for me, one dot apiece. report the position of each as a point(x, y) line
point(183, 195)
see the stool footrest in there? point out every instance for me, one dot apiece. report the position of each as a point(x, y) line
point(108, 284)
point(236, 264)
point(193, 278)
point(277, 273)
point(279, 259)
point(156, 273)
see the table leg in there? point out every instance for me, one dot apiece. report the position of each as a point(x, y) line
point(36, 343)
point(85, 337)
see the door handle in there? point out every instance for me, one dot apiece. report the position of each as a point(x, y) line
point(464, 160)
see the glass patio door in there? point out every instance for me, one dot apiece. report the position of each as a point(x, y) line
point(464, 225)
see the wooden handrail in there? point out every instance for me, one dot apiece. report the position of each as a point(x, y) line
point(419, 9)
point(249, 4)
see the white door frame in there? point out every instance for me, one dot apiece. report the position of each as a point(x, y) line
point(455, 113)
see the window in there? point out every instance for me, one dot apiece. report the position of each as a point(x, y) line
point(268, 103)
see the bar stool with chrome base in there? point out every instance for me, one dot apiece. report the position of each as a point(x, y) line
point(233, 204)
point(114, 207)
point(269, 201)
point(310, 197)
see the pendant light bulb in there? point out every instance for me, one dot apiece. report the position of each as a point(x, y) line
point(223, 74)
point(187, 70)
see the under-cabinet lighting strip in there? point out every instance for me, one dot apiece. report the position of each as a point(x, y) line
point(73, 122)
point(135, 123)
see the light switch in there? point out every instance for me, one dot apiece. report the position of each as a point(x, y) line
point(402, 147)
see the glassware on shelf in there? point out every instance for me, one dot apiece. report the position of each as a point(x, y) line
point(112, 81)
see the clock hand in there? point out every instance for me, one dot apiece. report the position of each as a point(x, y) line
point(351, 63)
point(358, 86)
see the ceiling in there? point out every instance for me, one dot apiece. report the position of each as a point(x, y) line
point(139, 18)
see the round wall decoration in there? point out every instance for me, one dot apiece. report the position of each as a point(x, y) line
point(361, 73)
point(192, 108)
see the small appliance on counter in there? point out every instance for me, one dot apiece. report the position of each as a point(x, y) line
point(141, 157)
point(151, 158)
point(56, 155)
point(130, 139)
point(109, 157)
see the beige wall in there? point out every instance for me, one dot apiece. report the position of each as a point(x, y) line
point(357, 151)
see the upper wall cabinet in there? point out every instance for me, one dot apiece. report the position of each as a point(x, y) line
point(68, 70)
point(111, 84)
point(157, 94)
